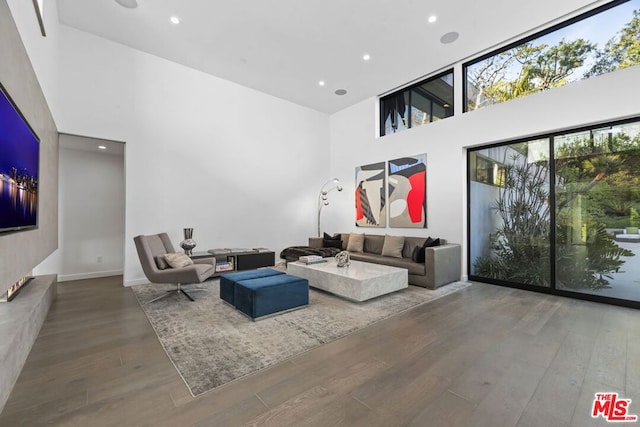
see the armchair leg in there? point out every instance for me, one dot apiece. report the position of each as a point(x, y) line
point(178, 290)
point(185, 294)
point(168, 293)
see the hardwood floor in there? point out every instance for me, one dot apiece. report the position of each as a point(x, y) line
point(484, 356)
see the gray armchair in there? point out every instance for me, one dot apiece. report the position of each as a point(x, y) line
point(155, 246)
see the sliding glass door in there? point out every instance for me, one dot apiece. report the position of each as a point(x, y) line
point(559, 213)
point(597, 200)
point(510, 213)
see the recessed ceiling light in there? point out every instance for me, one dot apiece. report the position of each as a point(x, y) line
point(321, 83)
point(366, 57)
point(129, 4)
point(341, 92)
point(102, 147)
point(432, 19)
point(449, 37)
point(174, 20)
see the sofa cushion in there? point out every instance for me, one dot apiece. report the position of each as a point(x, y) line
point(345, 240)
point(356, 242)
point(409, 245)
point(418, 252)
point(393, 246)
point(431, 243)
point(332, 241)
point(373, 244)
point(412, 267)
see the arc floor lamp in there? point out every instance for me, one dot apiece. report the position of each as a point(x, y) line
point(323, 198)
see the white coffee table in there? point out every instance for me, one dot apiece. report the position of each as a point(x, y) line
point(359, 281)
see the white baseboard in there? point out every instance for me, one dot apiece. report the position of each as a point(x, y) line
point(91, 275)
point(135, 282)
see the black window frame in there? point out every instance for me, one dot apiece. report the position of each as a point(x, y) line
point(552, 289)
point(529, 38)
point(408, 89)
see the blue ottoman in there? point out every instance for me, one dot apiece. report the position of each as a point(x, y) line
point(267, 295)
point(228, 281)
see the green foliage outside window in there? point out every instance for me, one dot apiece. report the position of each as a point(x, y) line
point(521, 244)
point(535, 66)
point(595, 190)
point(620, 52)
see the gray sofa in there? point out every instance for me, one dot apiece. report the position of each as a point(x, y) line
point(442, 264)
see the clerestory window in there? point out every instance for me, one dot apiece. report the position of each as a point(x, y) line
point(597, 42)
point(424, 102)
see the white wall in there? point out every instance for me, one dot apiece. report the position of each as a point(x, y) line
point(353, 142)
point(238, 166)
point(92, 216)
point(241, 167)
point(41, 50)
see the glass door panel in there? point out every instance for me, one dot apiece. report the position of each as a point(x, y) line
point(509, 190)
point(597, 200)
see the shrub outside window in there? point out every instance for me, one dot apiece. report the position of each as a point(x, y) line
point(559, 212)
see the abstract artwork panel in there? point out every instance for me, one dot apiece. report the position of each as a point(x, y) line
point(408, 192)
point(370, 195)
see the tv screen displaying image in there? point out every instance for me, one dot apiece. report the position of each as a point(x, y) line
point(19, 162)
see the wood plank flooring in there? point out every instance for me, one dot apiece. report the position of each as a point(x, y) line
point(484, 356)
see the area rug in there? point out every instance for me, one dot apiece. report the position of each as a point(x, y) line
point(211, 344)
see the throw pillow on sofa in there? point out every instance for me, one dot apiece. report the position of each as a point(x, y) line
point(393, 246)
point(356, 242)
point(178, 260)
point(331, 241)
point(418, 252)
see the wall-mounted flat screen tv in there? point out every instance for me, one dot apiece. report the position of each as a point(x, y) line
point(19, 162)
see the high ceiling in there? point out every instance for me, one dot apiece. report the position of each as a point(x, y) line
point(286, 47)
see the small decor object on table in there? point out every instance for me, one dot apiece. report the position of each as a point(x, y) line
point(343, 259)
point(311, 259)
point(188, 243)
